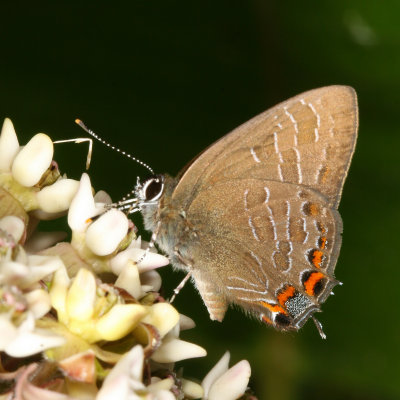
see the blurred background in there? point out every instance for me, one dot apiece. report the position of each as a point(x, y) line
point(163, 79)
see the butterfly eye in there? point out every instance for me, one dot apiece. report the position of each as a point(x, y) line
point(153, 188)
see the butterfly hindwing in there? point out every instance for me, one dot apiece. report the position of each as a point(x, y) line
point(268, 236)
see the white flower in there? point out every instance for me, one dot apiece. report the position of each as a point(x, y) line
point(173, 349)
point(26, 275)
point(137, 278)
point(13, 226)
point(135, 253)
point(96, 315)
point(222, 383)
point(105, 234)
point(192, 390)
point(33, 160)
point(163, 316)
point(30, 176)
point(24, 301)
point(125, 377)
point(58, 196)
point(25, 340)
point(90, 312)
point(129, 280)
point(9, 146)
point(125, 381)
point(83, 207)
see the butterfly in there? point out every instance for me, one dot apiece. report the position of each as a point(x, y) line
point(254, 219)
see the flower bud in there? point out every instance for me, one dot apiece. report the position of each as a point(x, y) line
point(9, 146)
point(33, 160)
point(58, 196)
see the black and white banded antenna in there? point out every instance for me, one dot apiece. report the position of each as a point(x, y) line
point(127, 202)
point(94, 135)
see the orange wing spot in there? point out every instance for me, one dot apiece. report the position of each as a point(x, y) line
point(273, 307)
point(310, 283)
point(316, 258)
point(322, 242)
point(267, 320)
point(313, 209)
point(321, 227)
point(286, 294)
point(88, 220)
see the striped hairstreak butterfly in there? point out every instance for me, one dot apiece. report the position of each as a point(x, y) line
point(253, 219)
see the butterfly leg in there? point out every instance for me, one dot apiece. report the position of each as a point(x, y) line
point(81, 140)
point(215, 301)
point(151, 243)
point(180, 286)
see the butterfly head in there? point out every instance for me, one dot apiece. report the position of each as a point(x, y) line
point(149, 193)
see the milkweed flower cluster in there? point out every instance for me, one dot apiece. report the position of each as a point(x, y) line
point(83, 319)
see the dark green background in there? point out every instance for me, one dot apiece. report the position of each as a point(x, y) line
point(164, 79)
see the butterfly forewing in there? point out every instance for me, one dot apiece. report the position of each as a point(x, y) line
point(307, 140)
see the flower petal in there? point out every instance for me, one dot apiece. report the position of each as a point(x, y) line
point(192, 390)
point(39, 268)
point(58, 196)
point(80, 366)
point(8, 331)
point(151, 281)
point(129, 280)
point(58, 293)
point(118, 388)
point(186, 322)
point(12, 272)
point(173, 350)
point(106, 233)
point(33, 160)
point(9, 146)
point(162, 384)
point(82, 206)
point(81, 296)
point(151, 260)
point(232, 384)
point(120, 320)
point(131, 363)
point(216, 372)
point(32, 342)
point(163, 316)
point(39, 302)
point(102, 197)
point(13, 226)
point(128, 370)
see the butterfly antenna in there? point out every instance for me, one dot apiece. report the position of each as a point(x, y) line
point(94, 135)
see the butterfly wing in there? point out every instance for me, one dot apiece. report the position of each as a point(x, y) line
point(307, 140)
point(271, 242)
point(263, 202)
